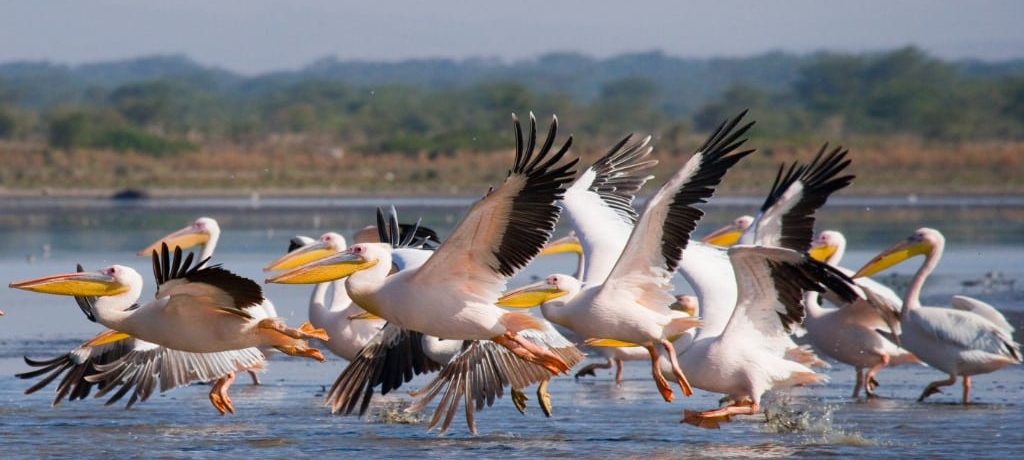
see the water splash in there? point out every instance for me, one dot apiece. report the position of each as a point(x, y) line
point(395, 413)
point(815, 422)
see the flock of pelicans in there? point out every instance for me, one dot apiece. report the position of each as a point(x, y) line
point(400, 302)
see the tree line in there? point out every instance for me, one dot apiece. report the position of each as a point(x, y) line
point(162, 106)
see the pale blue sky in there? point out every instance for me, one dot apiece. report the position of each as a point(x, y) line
point(259, 35)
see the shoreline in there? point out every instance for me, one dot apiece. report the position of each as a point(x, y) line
point(332, 198)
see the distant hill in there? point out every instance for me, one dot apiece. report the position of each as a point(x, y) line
point(684, 84)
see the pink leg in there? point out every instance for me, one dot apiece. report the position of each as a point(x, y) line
point(659, 380)
point(676, 370)
point(618, 371)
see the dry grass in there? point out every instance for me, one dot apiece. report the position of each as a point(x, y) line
point(298, 166)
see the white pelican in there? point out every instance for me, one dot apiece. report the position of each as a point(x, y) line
point(198, 309)
point(205, 233)
point(452, 295)
point(729, 234)
point(344, 321)
point(957, 342)
point(600, 202)
point(743, 356)
point(631, 306)
point(850, 334)
point(113, 360)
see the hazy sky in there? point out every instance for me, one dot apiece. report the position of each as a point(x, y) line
point(259, 35)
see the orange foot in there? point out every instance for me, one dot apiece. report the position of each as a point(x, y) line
point(698, 419)
point(311, 332)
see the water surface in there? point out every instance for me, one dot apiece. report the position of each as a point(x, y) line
point(593, 417)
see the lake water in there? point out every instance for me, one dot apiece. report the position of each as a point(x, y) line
point(593, 418)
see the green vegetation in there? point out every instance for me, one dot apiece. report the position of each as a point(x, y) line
point(171, 108)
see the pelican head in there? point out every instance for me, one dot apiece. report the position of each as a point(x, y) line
point(923, 242)
point(203, 231)
point(536, 294)
point(330, 243)
point(729, 234)
point(687, 304)
point(566, 244)
point(356, 258)
point(827, 245)
point(115, 280)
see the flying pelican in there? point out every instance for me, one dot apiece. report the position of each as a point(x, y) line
point(601, 200)
point(113, 360)
point(957, 342)
point(205, 233)
point(198, 309)
point(452, 295)
point(850, 334)
point(413, 245)
point(742, 353)
point(631, 306)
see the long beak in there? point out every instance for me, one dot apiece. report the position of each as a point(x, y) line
point(324, 270)
point(531, 295)
point(301, 256)
point(821, 251)
point(185, 238)
point(897, 253)
point(565, 244)
point(725, 236)
point(74, 284)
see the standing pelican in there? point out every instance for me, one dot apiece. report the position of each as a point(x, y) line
point(198, 309)
point(631, 306)
point(957, 342)
point(452, 295)
point(850, 334)
point(205, 233)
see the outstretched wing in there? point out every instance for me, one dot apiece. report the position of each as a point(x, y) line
point(787, 215)
point(115, 361)
point(506, 229)
point(771, 285)
point(187, 286)
point(144, 367)
point(79, 363)
point(657, 242)
point(599, 204)
point(392, 357)
point(478, 374)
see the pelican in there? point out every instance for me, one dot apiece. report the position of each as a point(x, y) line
point(113, 360)
point(205, 233)
point(729, 234)
point(958, 342)
point(452, 295)
point(741, 351)
point(601, 199)
point(850, 334)
point(631, 306)
point(348, 325)
point(198, 309)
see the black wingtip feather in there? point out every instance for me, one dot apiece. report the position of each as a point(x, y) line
point(534, 212)
point(717, 155)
